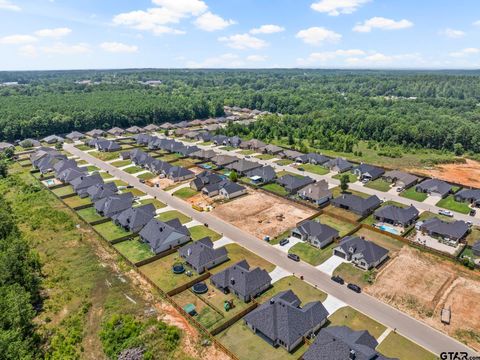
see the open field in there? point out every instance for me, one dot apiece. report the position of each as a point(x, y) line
point(347, 316)
point(89, 214)
point(170, 157)
point(134, 250)
point(118, 182)
point(450, 204)
point(110, 231)
point(106, 156)
point(397, 346)
point(247, 152)
point(134, 191)
point(257, 214)
point(310, 254)
point(467, 174)
point(351, 274)
point(173, 214)
point(201, 231)
point(186, 163)
point(105, 175)
point(303, 290)
point(265, 156)
point(336, 191)
point(76, 201)
point(343, 227)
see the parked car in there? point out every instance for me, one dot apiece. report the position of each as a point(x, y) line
point(284, 242)
point(355, 288)
point(301, 169)
point(469, 223)
point(142, 181)
point(364, 181)
point(247, 157)
point(129, 186)
point(294, 257)
point(338, 279)
point(445, 213)
point(400, 189)
point(473, 212)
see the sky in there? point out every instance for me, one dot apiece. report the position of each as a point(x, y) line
point(106, 34)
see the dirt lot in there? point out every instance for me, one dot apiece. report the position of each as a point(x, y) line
point(257, 213)
point(162, 182)
point(429, 291)
point(201, 200)
point(467, 174)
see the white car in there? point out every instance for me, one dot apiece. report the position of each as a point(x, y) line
point(445, 213)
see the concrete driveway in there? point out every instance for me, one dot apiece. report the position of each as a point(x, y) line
point(332, 304)
point(329, 266)
point(292, 243)
point(279, 273)
point(432, 200)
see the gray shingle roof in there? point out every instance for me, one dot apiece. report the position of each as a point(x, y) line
point(99, 191)
point(468, 195)
point(74, 135)
point(201, 252)
point(242, 166)
point(406, 178)
point(397, 214)
point(82, 183)
point(313, 158)
point(95, 133)
point(314, 229)
point(374, 171)
point(341, 164)
point(267, 173)
point(454, 230)
point(135, 218)
point(356, 203)
point(292, 183)
point(232, 187)
point(222, 160)
point(315, 191)
point(206, 178)
point(281, 318)
point(291, 154)
point(434, 185)
point(163, 235)
point(114, 204)
point(370, 251)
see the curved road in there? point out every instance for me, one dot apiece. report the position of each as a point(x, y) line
point(424, 335)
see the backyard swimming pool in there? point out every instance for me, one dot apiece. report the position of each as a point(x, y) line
point(389, 229)
point(50, 182)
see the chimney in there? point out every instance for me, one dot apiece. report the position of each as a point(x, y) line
point(352, 355)
point(232, 281)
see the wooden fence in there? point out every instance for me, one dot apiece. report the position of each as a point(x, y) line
point(189, 284)
point(233, 320)
point(155, 258)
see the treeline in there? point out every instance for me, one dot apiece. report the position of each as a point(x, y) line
point(438, 110)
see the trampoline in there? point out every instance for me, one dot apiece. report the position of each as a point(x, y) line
point(178, 268)
point(200, 288)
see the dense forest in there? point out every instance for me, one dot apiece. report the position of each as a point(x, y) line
point(438, 110)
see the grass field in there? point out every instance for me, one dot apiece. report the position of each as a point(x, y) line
point(91, 168)
point(284, 162)
point(276, 188)
point(173, 214)
point(265, 156)
point(385, 241)
point(186, 163)
point(247, 152)
point(110, 231)
point(351, 274)
point(284, 172)
point(450, 204)
point(76, 201)
point(206, 315)
point(335, 211)
point(106, 156)
point(133, 169)
point(155, 202)
point(351, 177)
point(83, 147)
point(89, 214)
point(121, 163)
point(134, 250)
point(343, 227)
point(397, 346)
point(311, 254)
point(303, 290)
point(185, 193)
point(146, 176)
point(315, 169)
point(134, 191)
point(237, 253)
point(336, 191)
point(201, 231)
point(105, 175)
point(227, 148)
point(379, 184)
point(119, 182)
point(170, 157)
point(411, 194)
point(65, 190)
point(355, 320)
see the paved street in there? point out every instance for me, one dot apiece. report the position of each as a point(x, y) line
point(415, 330)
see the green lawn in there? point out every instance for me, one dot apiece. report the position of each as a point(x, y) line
point(311, 254)
point(315, 169)
point(173, 214)
point(265, 156)
point(89, 214)
point(237, 253)
point(106, 156)
point(351, 177)
point(134, 191)
point(284, 162)
point(450, 204)
point(110, 231)
point(343, 227)
point(121, 163)
point(355, 320)
point(133, 169)
point(227, 148)
point(65, 190)
point(428, 215)
point(205, 314)
point(379, 184)
point(185, 193)
point(91, 168)
point(336, 191)
point(76, 201)
point(146, 176)
point(247, 152)
point(276, 188)
point(473, 236)
point(170, 157)
point(119, 182)
point(280, 237)
point(351, 274)
point(186, 163)
point(397, 346)
point(383, 240)
point(410, 193)
point(303, 290)
point(155, 202)
point(201, 231)
point(134, 250)
point(83, 147)
point(105, 175)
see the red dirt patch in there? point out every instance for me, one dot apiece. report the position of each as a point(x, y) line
point(467, 174)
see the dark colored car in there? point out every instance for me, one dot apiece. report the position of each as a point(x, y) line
point(294, 257)
point(129, 186)
point(284, 242)
point(301, 169)
point(472, 212)
point(355, 288)
point(338, 279)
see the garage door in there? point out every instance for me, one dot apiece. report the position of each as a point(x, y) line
point(339, 253)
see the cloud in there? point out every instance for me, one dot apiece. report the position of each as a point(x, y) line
point(337, 7)
point(476, 23)
point(66, 49)
point(17, 39)
point(53, 33)
point(465, 52)
point(116, 47)
point(377, 59)
point(156, 19)
point(323, 57)
point(267, 29)
point(318, 36)
point(212, 22)
point(256, 58)
point(243, 41)
point(383, 24)
point(452, 33)
point(8, 5)
point(28, 51)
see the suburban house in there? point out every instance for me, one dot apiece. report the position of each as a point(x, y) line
point(232, 190)
point(112, 205)
point(95, 133)
point(116, 131)
point(201, 255)
point(213, 127)
point(271, 149)
point(242, 281)
point(294, 183)
point(242, 166)
point(253, 144)
point(219, 139)
point(4, 146)
point(181, 132)
point(312, 158)
point(357, 204)
point(82, 183)
point(317, 192)
point(396, 215)
point(100, 191)
point(163, 236)
point(203, 179)
point(143, 139)
point(203, 136)
point(178, 173)
point(68, 175)
point(342, 343)
point(338, 165)
point(26, 143)
point(400, 178)
point(158, 167)
point(135, 218)
point(434, 187)
point(105, 145)
point(233, 141)
point(151, 127)
point(214, 189)
point(368, 172)
point(134, 129)
point(363, 253)
point(203, 154)
point(476, 248)
point(164, 126)
point(53, 139)
point(315, 233)
point(63, 165)
point(290, 154)
point(262, 175)
point(471, 196)
point(75, 135)
point(282, 322)
point(450, 231)
point(223, 160)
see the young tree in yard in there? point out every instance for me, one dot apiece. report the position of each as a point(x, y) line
point(344, 182)
point(59, 146)
point(233, 176)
